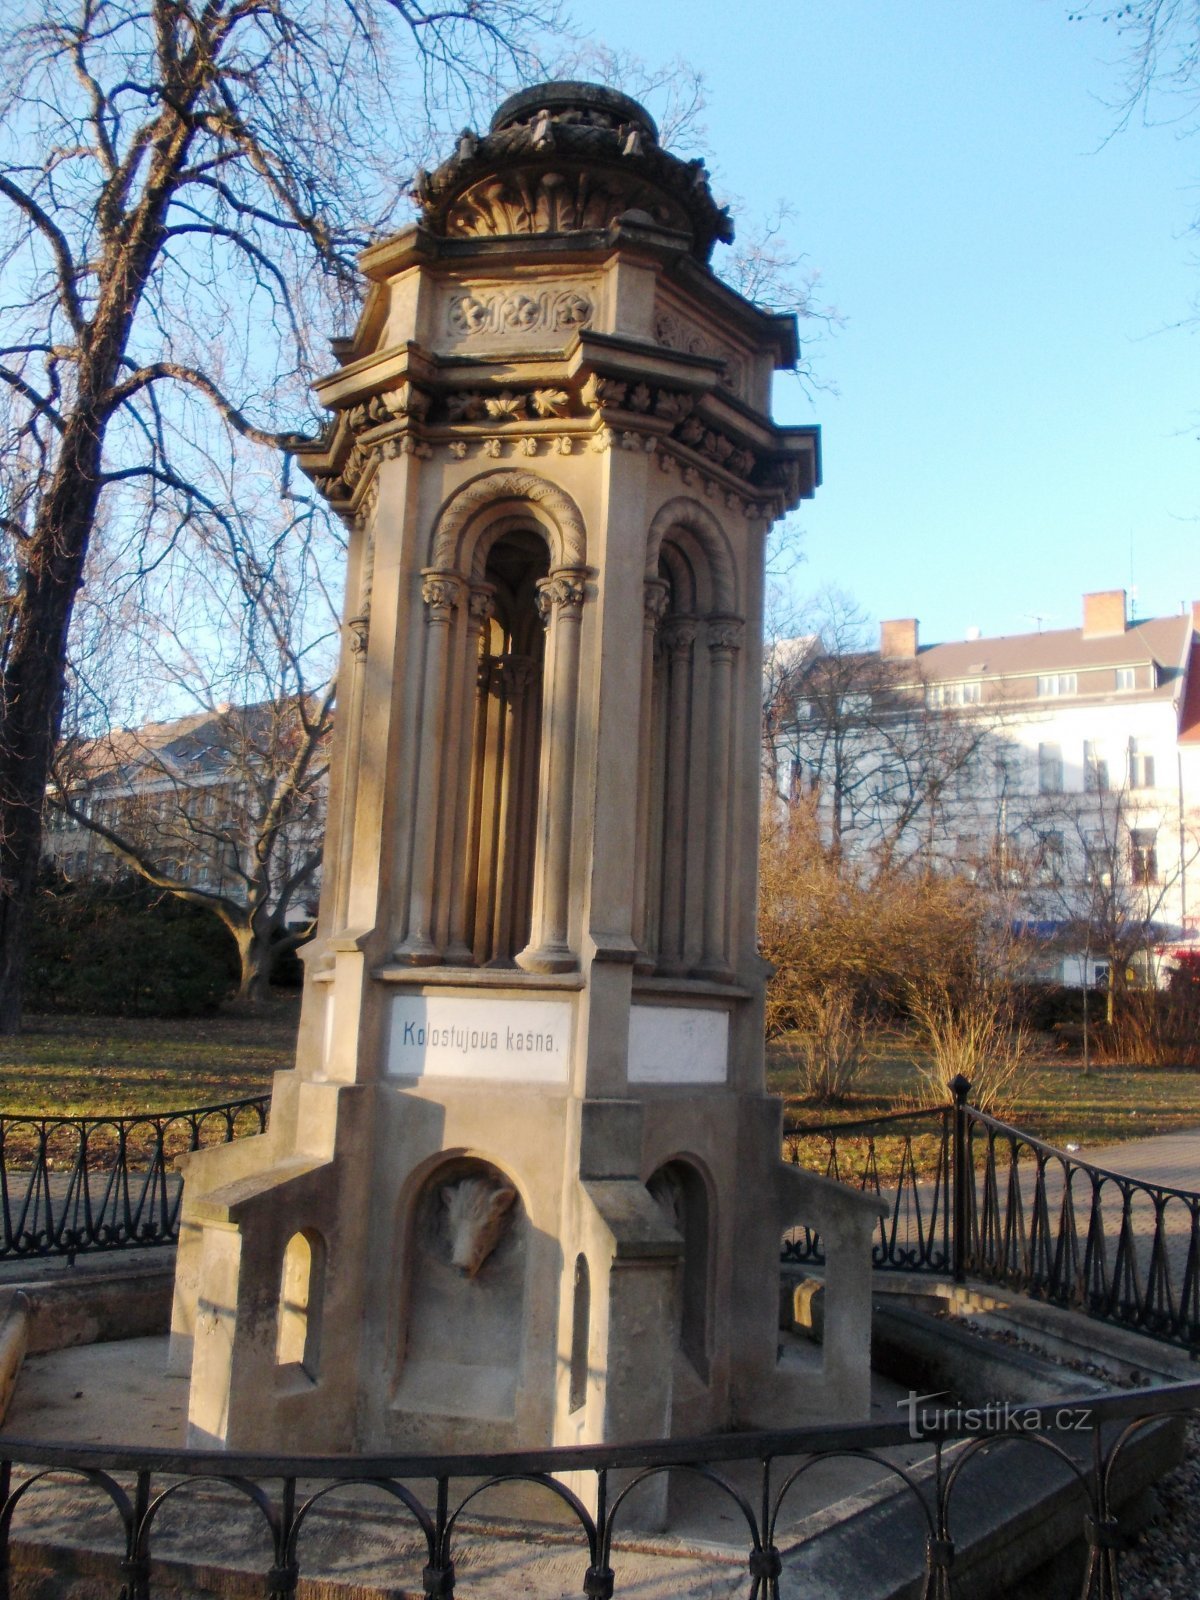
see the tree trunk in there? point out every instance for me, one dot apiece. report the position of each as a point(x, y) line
point(255, 951)
point(31, 692)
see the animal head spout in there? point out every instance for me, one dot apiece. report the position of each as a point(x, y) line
point(478, 1213)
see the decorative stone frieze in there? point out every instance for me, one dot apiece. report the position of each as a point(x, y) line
point(675, 332)
point(480, 314)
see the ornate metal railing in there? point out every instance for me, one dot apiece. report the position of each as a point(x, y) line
point(941, 1505)
point(72, 1184)
point(971, 1196)
point(907, 1157)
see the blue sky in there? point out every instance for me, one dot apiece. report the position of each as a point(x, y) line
point(1017, 410)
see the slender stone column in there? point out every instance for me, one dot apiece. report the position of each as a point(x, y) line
point(465, 714)
point(656, 599)
point(515, 673)
point(358, 629)
point(680, 635)
point(441, 592)
point(560, 605)
point(724, 642)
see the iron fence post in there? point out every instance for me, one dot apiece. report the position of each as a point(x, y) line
point(961, 1088)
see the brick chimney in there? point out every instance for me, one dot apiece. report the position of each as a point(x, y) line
point(1103, 613)
point(898, 638)
point(1196, 616)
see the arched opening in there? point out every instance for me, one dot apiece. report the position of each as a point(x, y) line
point(301, 1295)
point(683, 1195)
point(691, 645)
point(581, 1321)
point(462, 1309)
point(506, 749)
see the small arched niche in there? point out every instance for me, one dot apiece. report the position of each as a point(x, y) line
point(681, 1192)
point(464, 1310)
point(507, 736)
point(581, 1334)
point(301, 1298)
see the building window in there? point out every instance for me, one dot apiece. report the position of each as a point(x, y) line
point(1141, 765)
point(968, 693)
point(1125, 677)
point(1143, 855)
point(1055, 683)
point(1008, 767)
point(1097, 861)
point(1049, 857)
point(1095, 768)
point(1050, 768)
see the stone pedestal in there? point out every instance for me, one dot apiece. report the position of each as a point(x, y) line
point(523, 1185)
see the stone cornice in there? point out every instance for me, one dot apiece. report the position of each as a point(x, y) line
point(626, 395)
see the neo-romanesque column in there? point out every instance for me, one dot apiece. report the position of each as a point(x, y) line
point(724, 642)
point(511, 679)
point(656, 598)
point(679, 634)
point(442, 593)
point(465, 763)
point(560, 605)
point(358, 634)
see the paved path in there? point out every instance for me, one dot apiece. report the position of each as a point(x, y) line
point(1172, 1159)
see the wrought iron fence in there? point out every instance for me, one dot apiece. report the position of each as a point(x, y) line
point(72, 1184)
point(119, 1497)
point(970, 1195)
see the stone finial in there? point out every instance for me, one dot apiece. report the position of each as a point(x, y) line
point(567, 158)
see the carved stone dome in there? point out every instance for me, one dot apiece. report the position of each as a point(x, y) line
point(569, 158)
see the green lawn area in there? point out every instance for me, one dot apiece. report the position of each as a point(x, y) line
point(84, 1066)
point(1059, 1101)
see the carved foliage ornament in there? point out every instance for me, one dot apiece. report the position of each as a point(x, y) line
point(564, 589)
point(441, 592)
point(472, 313)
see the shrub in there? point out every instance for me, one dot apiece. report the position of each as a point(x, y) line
point(121, 949)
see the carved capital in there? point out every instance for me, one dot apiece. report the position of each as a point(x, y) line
point(565, 589)
point(442, 592)
point(679, 635)
point(481, 603)
point(725, 634)
point(655, 600)
point(359, 629)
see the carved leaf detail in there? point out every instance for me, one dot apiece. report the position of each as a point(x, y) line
point(550, 402)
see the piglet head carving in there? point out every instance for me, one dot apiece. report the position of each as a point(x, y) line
point(477, 1211)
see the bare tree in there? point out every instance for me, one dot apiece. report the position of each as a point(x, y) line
point(1159, 63)
point(224, 806)
point(183, 188)
point(858, 731)
point(1104, 864)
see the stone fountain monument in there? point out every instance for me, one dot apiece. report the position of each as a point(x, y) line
point(523, 1186)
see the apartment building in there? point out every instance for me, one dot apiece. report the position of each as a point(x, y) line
point(190, 796)
point(1063, 764)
